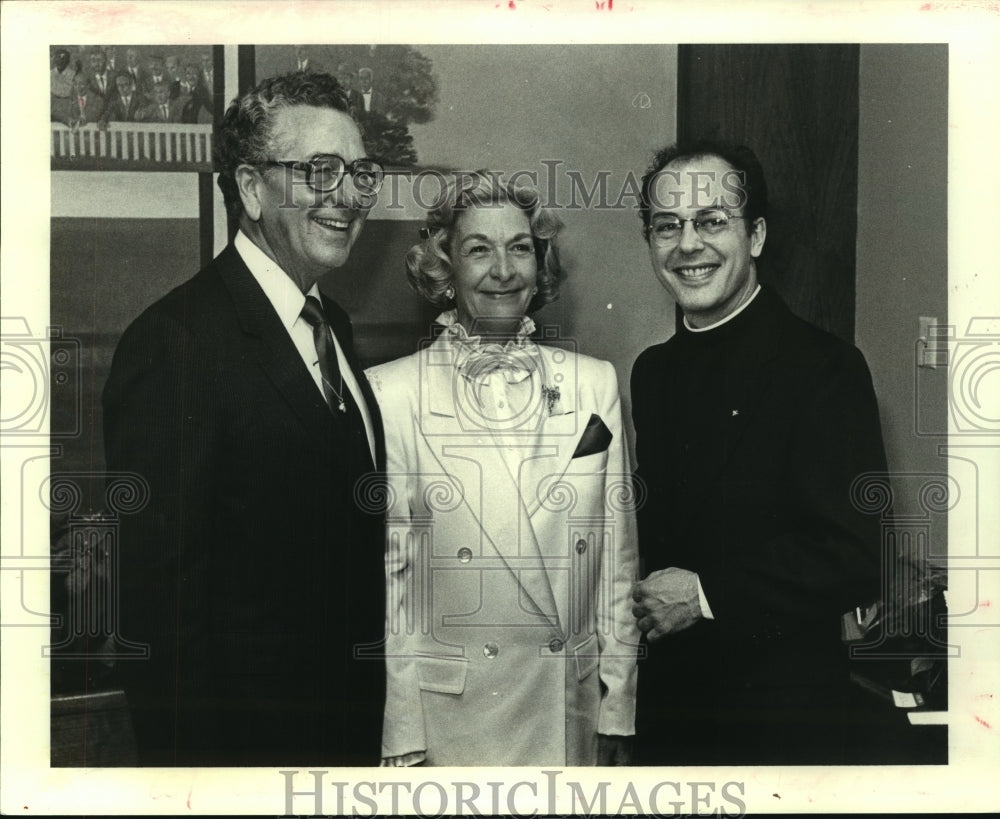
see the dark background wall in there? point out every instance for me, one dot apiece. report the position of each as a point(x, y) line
point(797, 107)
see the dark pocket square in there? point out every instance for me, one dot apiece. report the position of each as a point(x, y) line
point(596, 438)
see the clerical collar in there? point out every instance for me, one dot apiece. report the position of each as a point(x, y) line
point(720, 322)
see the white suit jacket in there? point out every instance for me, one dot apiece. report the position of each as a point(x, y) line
point(510, 634)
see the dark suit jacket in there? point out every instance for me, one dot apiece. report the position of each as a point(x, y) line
point(115, 109)
point(312, 67)
point(140, 77)
point(192, 104)
point(355, 100)
point(151, 112)
point(109, 84)
point(748, 439)
point(377, 102)
point(149, 84)
point(252, 573)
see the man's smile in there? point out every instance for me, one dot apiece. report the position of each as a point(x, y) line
point(332, 224)
point(695, 273)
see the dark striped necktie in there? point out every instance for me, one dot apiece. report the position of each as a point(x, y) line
point(336, 392)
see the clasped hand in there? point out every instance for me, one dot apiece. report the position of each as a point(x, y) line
point(666, 602)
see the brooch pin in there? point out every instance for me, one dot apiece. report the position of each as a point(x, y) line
point(551, 395)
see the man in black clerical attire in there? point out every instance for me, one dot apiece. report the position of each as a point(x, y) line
point(751, 426)
point(255, 574)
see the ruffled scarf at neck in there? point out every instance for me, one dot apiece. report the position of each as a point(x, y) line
point(478, 360)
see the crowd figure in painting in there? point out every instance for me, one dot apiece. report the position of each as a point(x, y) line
point(96, 85)
point(357, 82)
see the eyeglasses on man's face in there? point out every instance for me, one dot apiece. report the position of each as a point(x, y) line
point(666, 230)
point(325, 172)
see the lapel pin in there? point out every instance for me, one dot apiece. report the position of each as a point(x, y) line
point(551, 395)
point(735, 412)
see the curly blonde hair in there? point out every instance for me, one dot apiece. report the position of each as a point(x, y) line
point(428, 265)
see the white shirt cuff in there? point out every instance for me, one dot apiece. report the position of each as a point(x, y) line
point(706, 610)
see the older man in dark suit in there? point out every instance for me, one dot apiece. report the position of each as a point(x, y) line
point(133, 67)
point(751, 426)
point(158, 73)
point(256, 572)
point(126, 103)
point(162, 107)
point(101, 78)
point(372, 100)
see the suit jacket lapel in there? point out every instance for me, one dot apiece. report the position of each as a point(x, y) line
point(469, 453)
point(271, 344)
point(341, 327)
point(373, 411)
point(560, 429)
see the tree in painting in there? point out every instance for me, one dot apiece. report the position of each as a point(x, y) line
point(399, 81)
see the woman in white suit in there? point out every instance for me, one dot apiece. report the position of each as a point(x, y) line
point(511, 533)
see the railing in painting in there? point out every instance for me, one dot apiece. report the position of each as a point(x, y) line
point(147, 146)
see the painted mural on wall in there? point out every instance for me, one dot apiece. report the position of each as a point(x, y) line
point(136, 107)
point(391, 87)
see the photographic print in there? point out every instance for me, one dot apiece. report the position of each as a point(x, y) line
point(232, 589)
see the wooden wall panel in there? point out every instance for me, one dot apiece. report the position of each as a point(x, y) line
point(797, 107)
